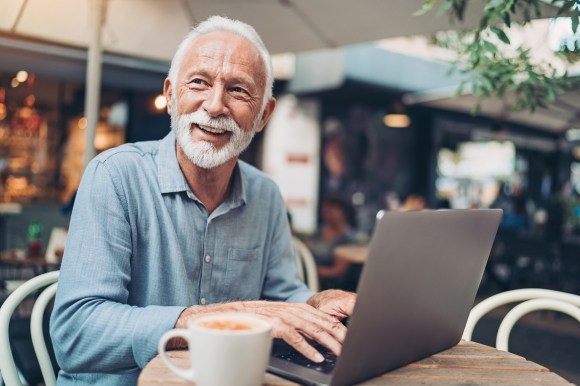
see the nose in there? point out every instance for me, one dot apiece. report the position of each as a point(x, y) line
point(214, 103)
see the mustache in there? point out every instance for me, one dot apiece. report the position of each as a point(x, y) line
point(202, 118)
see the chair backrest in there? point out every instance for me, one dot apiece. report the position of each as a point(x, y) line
point(306, 264)
point(7, 365)
point(533, 299)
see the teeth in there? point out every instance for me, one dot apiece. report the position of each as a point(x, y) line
point(212, 129)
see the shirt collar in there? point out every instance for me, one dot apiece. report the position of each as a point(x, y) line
point(238, 193)
point(172, 180)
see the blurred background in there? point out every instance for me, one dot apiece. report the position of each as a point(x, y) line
point(374, 112)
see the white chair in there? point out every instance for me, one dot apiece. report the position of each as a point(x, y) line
point(306, 264)
point(533, 299)
point(7, 366)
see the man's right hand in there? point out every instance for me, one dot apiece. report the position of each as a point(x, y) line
point(290, 321)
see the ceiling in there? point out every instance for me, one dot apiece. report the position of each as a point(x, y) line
point(559, 117)
point(139, 37)
point(153, 28)
point(69, 63)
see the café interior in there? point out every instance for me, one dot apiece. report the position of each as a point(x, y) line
point(379, 129)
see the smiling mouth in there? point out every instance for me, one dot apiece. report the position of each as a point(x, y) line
point(212, 130)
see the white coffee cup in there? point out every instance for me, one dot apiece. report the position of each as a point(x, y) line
point(225, 348)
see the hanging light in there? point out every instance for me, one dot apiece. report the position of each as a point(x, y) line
point(397, 120)
point(573, 134)
point(82, 123)
point(397, 116)
point(160, 102)
point(22, 76)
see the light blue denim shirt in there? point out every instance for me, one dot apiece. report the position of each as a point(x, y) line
point(141, 248)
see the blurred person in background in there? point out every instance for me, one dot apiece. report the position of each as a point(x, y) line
point(563, 214)
point(514, 206)
point(443, 203)
point(163, 231)
point(414, 201)
point(516, 219)
point(337, 227)
point(335, 164)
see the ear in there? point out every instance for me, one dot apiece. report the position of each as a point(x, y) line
point(168, 92)
point(267, 114)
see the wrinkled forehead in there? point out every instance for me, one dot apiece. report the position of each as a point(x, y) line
point(228, 50)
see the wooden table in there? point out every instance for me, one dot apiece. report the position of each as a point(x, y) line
point(354, 253)
point(468, 363)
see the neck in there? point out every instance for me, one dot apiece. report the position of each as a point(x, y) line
point(210, 186)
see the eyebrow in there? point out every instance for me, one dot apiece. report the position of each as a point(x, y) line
point(249, 82)
point(190, 72)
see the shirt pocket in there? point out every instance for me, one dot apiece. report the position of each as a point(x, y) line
point(244, 273)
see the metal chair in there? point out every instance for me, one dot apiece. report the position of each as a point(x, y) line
point(533, 299)
point(7, 365)
point(306, 264)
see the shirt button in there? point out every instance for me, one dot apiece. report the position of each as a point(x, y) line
point(202, 301)
point(207, 258)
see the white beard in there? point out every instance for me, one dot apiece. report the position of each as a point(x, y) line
point(203, 153)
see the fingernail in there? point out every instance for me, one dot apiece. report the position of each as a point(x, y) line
point(319, 358)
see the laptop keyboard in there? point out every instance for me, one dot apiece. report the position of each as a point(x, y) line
point(325, 367)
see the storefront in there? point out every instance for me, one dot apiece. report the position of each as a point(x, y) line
point(42, 126)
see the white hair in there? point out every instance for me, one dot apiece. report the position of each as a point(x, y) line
point(220, 23)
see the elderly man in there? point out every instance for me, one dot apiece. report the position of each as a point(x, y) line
point(163, 231)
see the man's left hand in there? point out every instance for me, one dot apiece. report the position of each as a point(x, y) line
point(336, 303)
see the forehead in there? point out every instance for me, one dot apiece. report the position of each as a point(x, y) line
point(225, 51)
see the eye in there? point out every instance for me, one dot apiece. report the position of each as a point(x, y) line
point(238, 90)
point(198, 81)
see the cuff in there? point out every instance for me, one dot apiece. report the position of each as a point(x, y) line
point(301, 297)
point(152, 324)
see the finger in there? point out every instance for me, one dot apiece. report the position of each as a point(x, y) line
point(336, 330)
point(302, 317)
point(322, 321)
point(309, 311)
point(340, 310)
point(329, 334)
point(337, 303)
point(347, 306)
point(328, 331)
point(297, 341)
point(327, 340)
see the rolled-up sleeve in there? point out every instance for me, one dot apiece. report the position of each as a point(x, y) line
point(93, 327)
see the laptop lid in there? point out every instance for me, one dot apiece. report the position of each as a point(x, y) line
point(415, 292)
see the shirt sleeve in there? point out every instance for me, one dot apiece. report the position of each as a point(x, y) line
point(93, 327)
point(282, 280)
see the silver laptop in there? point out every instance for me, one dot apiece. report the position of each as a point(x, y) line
point(414, 295)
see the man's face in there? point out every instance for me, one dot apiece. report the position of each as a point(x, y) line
point(216, 103)
point(332, 213)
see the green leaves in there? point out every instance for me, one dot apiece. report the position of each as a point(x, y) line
point(570, 8)
point(455, 8)
point(500, 34)
point(493, 72)
point(575, 19)
point(425, 8)
point(566, 7)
